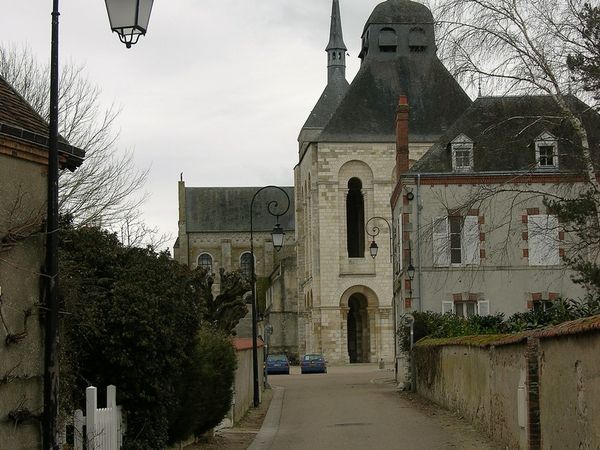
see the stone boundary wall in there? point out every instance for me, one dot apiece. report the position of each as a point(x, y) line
point(243, 395)
point(534, 390)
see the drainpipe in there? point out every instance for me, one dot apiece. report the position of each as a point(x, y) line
point(420, 284)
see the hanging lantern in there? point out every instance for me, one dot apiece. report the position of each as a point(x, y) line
point(277, 235)
point(129, 18)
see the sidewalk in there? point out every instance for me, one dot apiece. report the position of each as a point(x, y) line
point(241, 436)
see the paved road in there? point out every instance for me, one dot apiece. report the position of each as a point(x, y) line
point(356, 407)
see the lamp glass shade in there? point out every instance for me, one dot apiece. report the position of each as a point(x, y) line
point(277, 235)
point(410, 271)
point(373, 248)
point(129, 18)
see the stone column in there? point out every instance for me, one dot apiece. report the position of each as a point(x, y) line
point(345, 357)
point(374, 331)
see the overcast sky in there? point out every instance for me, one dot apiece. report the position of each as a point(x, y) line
point(217, 89)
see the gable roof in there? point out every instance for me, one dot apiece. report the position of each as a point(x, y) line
point(504, 131)
point(20, 121)
point(368, 110)
point(227, 209)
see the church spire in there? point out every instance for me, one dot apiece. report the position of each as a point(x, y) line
point(336, 49)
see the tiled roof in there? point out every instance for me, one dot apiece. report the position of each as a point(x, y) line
point(227, 209)
point(19, 120)
point(504, 130)
point(15, 111)
point(367, 111)
point(246, 343)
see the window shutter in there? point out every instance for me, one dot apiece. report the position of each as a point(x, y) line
point(470, 240)
point(447, 307)
point(543, 240)
point(483, 308)
point(441, 242)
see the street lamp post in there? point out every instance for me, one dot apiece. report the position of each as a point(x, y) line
point(277, 235)
point(374, 248)
point(135, 12)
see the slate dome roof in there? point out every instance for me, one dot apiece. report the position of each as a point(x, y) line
point(400, 11)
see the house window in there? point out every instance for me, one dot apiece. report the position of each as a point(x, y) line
point(355, 219)
point(542, 305)
point(543, 240)
point(205, 261)
point(467, 308)
point(246, 264)
point(462, 154)
point(546, 158)
point(456, 241)
point(546, 151)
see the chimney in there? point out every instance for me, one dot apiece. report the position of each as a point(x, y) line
point(402, 136)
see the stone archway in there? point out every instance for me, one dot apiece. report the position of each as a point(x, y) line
point(359, 335)
point(359, 305)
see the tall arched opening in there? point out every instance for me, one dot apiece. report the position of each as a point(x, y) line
point(359, 339)
point(355, 219)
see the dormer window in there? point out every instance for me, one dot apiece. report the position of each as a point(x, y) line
point(388, 40)
point(546, 151)
point(417, 40)
point(462, 154)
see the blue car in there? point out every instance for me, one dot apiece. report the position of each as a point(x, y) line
point(313, 363)
point(277, 364)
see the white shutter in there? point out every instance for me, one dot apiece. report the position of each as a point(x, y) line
point(447, 307)
point(483, 308)
point(543, 240)
point(441, 242)
point(470, 240)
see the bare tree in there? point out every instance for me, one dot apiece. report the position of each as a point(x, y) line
point(518, 46)
point(108, 188)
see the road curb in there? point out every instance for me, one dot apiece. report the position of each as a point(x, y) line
point(268, 430)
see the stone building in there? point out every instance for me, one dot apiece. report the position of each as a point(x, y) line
point(342, 298)
point(23, 188)
point(214, 232)
point(345, 177)
point(477, 230)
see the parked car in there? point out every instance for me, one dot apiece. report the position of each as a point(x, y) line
point(313, 363)
point(278, 363)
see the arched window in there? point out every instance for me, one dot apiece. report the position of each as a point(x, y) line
point(355, 219)
point(205, 261)
point(246, 264)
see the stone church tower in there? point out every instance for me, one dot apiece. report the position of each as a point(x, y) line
point(345, 176)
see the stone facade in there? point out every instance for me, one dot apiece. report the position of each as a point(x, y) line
point(480, 237)
point(223, 239)
point(23, 188)
point(530, 391)
point(345, 178)
point(327, 275)
point(22, 360)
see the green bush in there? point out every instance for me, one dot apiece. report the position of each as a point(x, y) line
point(130, 313)
point(214, 362)
point(436, 325)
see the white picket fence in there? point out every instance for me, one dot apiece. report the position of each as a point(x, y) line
point(104, 427)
